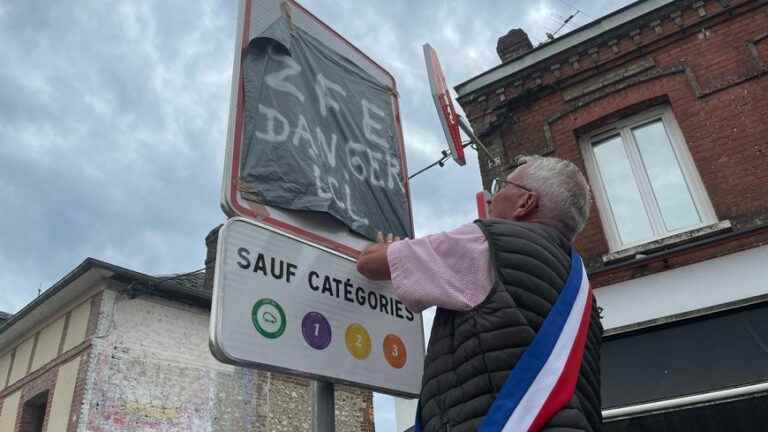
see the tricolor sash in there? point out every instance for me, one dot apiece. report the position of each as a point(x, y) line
point(544, 379)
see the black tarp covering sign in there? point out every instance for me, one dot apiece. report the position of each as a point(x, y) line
point(320, 134)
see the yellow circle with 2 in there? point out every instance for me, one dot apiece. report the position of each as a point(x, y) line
point(358, 341)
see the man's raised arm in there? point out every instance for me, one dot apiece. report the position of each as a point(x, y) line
point(373, 262)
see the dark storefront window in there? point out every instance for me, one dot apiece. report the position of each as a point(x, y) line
point(707, 354)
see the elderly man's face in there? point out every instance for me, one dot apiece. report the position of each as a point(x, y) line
point(514, 201)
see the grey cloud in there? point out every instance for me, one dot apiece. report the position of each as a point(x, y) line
point(109, 126)
point(113, 121)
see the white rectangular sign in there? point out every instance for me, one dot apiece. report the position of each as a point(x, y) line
point(283, 304)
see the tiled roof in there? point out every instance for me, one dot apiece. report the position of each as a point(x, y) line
point(190, 285)
point(183, 287)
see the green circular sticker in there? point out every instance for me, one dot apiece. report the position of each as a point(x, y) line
point(268, 318)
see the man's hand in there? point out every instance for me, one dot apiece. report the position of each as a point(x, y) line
point(372, 262)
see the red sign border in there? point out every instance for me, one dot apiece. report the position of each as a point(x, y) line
point(444, 105)
point(482, 200)
point(260, 212)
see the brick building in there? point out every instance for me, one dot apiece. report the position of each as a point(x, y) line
point(110, 349)
point(664, 105)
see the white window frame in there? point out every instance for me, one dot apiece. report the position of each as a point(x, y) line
point(624, 127)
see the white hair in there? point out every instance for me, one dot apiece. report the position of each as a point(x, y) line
point(564, 195)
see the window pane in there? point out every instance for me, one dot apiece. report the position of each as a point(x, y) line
point(623, 194)
point(669, 187)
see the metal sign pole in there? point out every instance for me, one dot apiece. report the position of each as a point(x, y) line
point(323, 409)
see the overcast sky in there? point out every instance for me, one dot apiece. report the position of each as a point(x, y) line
point(113, 121)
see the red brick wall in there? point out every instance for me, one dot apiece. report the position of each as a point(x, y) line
point(41, 383)
point(78, 398)
point(709, 68)
point(44, 379)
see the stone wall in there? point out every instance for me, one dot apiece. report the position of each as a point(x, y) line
point(151, 369)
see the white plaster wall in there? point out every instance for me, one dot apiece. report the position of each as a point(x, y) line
point(5, 364)
point(701, 285)
point(48, 343)
point(66, 378)
point(8, 414)
point(78, 325)
point(151, 367)
point(21, 361)
point(163, 331)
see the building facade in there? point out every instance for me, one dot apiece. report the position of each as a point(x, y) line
point(664, 105)
point(110, 349)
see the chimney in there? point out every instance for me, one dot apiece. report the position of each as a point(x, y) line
point(513, 45)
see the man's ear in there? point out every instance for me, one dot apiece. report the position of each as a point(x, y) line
point(528, 206)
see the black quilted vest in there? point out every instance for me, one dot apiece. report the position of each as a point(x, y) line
point(471, 353)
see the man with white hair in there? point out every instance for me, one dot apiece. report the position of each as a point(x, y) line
point(515, 342)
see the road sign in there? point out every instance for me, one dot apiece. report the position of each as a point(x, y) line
point(282, 303)
point(445, 109)
point(312, 153)
point(483, 201)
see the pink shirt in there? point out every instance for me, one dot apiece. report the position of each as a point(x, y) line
point(451, 269)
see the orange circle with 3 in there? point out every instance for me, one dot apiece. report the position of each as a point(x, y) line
point(394, 351)
point(358, 341)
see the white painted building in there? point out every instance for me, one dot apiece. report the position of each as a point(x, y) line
point(110, 349)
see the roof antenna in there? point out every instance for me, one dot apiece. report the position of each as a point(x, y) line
point(551, 36)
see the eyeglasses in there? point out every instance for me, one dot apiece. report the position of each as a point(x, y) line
point(499, 184)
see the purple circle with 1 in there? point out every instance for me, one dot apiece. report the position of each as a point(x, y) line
point(316, 330)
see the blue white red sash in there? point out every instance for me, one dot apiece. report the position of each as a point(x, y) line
point(544, 379)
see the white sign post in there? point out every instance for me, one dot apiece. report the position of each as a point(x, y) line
point(283, 304)
point(294, 328)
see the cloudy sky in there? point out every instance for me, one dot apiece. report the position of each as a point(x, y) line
point(113, 119)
